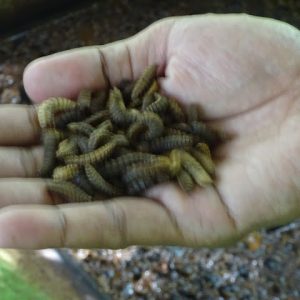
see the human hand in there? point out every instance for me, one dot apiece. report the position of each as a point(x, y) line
point(243, 71)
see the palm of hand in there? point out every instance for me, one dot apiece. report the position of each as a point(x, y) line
point(245, 79)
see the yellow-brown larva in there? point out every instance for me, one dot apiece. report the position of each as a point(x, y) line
point(100, 183)
point(98, 137)
point(192, 113)
point(116, 107)
point(48, 108)
point(82, 143)
point(204, 133)
point(203, 155)
point(81, 128)
point(194, 168)
point(185, 181)
point(97, 155)
point(69, 191)
point(175, 162)
point(98, 117)
point(135, 130)
point(159, 106)
point(147, 100)
point(73, 115)
point(169, 142)
point(142, 84)
point(67, 147)
point(152, 89)
point(84, 98)
point(65, 172)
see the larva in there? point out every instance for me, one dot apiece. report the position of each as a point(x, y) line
point(169, 142)
point(68, 190)
point(50, 141)
point(204, 134)
point(117, 165)
point(142, 84)
point(136, 187)
point(81, 180)
point(65, 172)
point(80, 128)
point(92, 157)
point(159, 106)
point(175, 110)
point(135, 130)
point(152, 89)
point(98, 102)
point(97, 117)
point(48, 108)
point(147, 100)
point(84, 98)
point(192, 113)
point(194, 168)
point(72, 115)
point(67, 147)
point(185, 181)
point(117, 107)
point(182, 127)
point(98, 137)
point(175, 162)
point(99, 182)
point(82, 143)
point(126, 87)
point(203, 155)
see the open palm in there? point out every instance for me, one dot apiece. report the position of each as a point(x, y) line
point(244, 72)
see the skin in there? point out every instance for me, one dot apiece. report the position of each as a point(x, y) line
point(244, 72)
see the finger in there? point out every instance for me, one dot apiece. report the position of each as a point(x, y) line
point(112, 224)
point(19, 125)
point(66, 73)
point(20, 162)
point(24, 191)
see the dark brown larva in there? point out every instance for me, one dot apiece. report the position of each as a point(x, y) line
point(204, 133)
point(142, 84)
point(135, 130)
point(50, 140)
point(82, 143)
point(98, 137)
point(176, 111)
point(69, 191)
point(192, 113)
point(73, 115)
point(81, 180)
point(98, 102)
point(100, 183)
point(48, 108)
point(167, 143)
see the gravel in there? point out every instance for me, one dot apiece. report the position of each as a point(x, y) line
point(266, 265)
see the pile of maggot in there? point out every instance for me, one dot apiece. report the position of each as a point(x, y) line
point(123, 140)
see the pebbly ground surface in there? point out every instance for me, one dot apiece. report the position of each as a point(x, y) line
point(266, 265)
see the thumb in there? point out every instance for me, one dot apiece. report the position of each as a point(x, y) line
point(95, 67)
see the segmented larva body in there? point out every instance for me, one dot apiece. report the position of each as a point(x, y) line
point(182, 127)
point(81, 128)
point(138, 186)
point(98, 102)
point(173, 131)
point(152, 89)
point(194, 168)
point(135, 130)
point(69, 190)
point(204, 133)
point(192, 113)
point(50, 140)
point(126, 87)
point(67, 147)
point(65, 172)
point(117, 107)
point(147, 100)
point(175, 162)
point(97, 155)
point(99, 182)
point(84, 98)
point(117, 165)
point(185, 181)
point(48, 108)
point(151, 169)
point(159, 106)
point(155, 126)
point(97, 117)
point(169, 142)
point(98, 137)
point(142, 85)
point(73, 115)
point(81, 180)
point(175, 110)
point(82, 143)
point(203, 155)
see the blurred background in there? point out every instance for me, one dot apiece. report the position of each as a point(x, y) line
point(265, 265)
